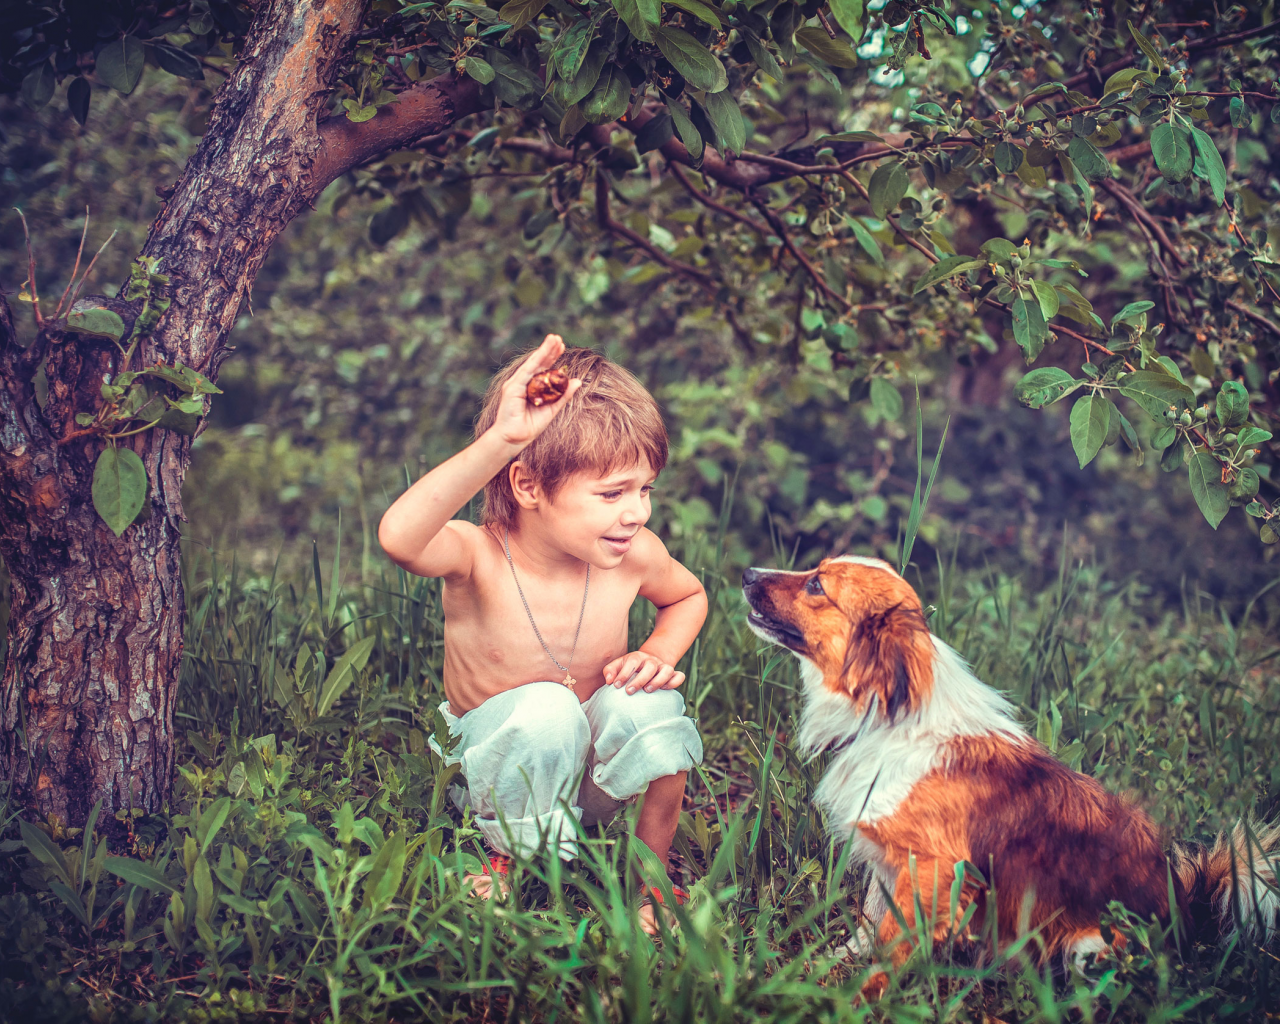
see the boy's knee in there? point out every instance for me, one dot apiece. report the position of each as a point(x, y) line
point(549, 717)
point(614, 710)
point(640, 737)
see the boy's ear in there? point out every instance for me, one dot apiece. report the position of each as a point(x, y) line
point(523, 486)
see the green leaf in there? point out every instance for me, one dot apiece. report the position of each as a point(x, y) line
point(946, 268)
point(1129, 434)
point(78, 93)
point(851, 137)
point(479, 69)
point(211, 821)
point(849, 15)
point(1029, 329)
point(1121, 80)
point(608, 100)
point(1232, 404)
point(139, 873)
point(1131, 310)
point(1252, 436)
point(1207, 487)
point(726, 118)
point(38, 85)
point(700, 11)
point(1211, 162)
point(1147, 47)
point(1088, 157)
point(358, 114)
point(121, 62)
point(571, 48)
point(886, 399)
point(1049, 299)
point(835, 52)
point(654, 134)
point(1044, 386)
point(689, 134)
point(997, 249)
point(1156, 392)
point(864, 238)
point(202, 882)
point(761, 54)
point(352, 661)
point(119, 487)
point(102, 322)
point(383, 881)
point(177, 62)
point(1171, 146)
point(182, 416)
point(43, 849)
point(72, 899)
point(519, 13)
point(699, 66)
point(1239, 113)
point(641, 16)
point(1008, 157)
point(1090, 422)
point(513, 83)
point(888, 186)
point(571, 91)
point(187, 379)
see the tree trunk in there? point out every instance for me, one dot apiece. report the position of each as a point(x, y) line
point(95, 629)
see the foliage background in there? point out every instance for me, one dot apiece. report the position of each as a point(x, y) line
point(1083, 592)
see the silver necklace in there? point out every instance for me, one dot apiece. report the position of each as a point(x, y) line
point(569, 681)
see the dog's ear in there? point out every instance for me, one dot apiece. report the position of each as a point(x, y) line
point(889, 655)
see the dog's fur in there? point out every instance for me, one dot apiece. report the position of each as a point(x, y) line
point(932, 767)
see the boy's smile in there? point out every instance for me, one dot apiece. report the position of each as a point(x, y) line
point(591, 517)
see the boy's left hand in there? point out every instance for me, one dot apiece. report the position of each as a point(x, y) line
point(641, 671)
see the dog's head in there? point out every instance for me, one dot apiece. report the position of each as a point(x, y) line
point(857, 621)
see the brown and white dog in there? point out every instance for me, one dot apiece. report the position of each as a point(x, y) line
point(930, 764)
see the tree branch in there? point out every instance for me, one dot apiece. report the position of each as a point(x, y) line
point(424, 110)
point(607, 223)
point(1256, 317)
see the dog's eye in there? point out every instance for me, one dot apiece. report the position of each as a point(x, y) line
point(814, 586)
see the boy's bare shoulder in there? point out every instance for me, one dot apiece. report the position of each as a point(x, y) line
point(452, 554)
point(648, 551)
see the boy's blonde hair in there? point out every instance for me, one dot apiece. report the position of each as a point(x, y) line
point(610, 422)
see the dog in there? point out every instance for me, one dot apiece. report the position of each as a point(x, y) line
point(931, 769)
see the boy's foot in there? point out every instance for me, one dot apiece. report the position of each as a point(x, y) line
point(492, 881)
point(651, 900)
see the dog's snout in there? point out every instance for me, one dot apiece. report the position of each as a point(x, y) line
point(750, 576)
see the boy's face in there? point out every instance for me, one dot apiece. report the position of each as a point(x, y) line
point(595, 517)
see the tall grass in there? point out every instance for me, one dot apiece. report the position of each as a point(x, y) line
point(310, 864)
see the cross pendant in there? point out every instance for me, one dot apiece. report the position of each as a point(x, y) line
point(569, 681)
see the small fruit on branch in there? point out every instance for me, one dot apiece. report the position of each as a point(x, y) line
point(547, 387)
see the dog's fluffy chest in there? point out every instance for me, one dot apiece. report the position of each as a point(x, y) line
point(881, 762)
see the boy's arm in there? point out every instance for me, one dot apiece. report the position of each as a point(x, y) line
point(682, 609)
point(415, 531)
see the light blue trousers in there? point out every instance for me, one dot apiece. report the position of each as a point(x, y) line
point(532, 754)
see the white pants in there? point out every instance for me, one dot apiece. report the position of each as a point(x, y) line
point(525, 753)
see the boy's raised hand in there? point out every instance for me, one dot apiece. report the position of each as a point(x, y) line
point(518, 421)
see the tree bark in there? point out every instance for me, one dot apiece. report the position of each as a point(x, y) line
point(95, 629)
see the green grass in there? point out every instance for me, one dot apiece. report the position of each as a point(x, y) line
point(309, 865)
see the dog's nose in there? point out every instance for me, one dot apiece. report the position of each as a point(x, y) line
point(750, 576)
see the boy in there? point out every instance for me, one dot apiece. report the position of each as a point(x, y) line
point(539, 681)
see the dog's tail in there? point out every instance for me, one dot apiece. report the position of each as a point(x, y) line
point(1234, 880)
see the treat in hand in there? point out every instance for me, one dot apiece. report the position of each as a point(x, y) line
point(547, 387)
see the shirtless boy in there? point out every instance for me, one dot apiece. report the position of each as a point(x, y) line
point(540, 684)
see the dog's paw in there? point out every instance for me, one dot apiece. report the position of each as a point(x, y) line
point(862, 945)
